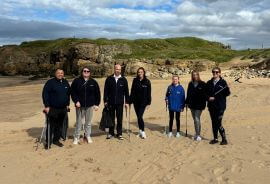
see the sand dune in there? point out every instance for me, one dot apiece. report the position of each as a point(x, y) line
point(155, 160)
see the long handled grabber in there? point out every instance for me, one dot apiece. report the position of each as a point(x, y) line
point(127, 122)
point(186, 119)
point(166, 111)
point(39, 141)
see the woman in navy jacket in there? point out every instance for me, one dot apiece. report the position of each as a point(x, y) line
point(175, 98)
point(196, 101)
point(217, 92)
point(140, 97)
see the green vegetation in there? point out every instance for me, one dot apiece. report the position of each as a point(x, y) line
point(174, 48)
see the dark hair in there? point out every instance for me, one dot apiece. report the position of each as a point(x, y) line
point(217, 68)
point(85, 67)
point(141, 68)
point(192, 73)
point(58, 69)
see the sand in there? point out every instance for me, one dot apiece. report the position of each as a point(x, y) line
point(156, 159)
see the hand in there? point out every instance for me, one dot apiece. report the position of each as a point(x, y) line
point(105, 104)
point(68, 109)
point(147, 107)
point(46, 110)
point(126, 106)
point(78, 105)
point(166, 101)
point(211, 99)
point(96, 108)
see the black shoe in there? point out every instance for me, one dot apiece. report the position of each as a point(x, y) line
point(57, 143)
point(120, 137)
point(214, 141)
point(46, 146)
point(224, 142)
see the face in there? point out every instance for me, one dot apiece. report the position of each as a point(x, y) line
point(86, 73)
point(175, 80)
point(216, 73)
point(195, 76)
point(141, 73)
point(117, 70)
point(59, 74)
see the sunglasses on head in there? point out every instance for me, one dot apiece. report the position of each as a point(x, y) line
point(215, 72)
point(86, 71)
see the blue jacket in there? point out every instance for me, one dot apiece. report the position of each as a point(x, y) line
point(56, 93)
point(176, 97)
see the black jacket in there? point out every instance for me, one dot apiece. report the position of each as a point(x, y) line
point(140, 92)
point(85, 92)
point(196, 96)
point(56, 93)
point(116, 93)
point(220, 91)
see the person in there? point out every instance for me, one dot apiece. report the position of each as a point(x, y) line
point(175, 98)
point(85, 94)
point(140, 97)
point(56, 99)
point(116, 94)
point(217, 91)
point(196, 101)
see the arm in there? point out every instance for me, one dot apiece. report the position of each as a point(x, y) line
point(188, 95)
point(149, 93)
point(106, 90)
point(97, 94)
point(45, 94)
point(74, 93)
point(226, 92)
point(167, 93)
point(68, 93)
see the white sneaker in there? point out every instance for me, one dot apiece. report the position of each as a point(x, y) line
point(140, 133)
point(177, 135)
point(89, 140)
point(198, 138)
point(170, 134)
point(143, 135)
point(76, 141)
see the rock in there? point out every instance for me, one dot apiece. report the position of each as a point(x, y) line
point(164, 75)
point(172, 70)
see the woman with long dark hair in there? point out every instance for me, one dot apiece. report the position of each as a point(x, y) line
point(196, 101)
point(140, 97)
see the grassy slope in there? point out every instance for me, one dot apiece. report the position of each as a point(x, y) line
point(175, 48)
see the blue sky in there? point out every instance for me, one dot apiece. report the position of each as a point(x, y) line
point(241, 23)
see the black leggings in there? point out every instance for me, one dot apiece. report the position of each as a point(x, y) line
point(216, 117)
point(139, 109)
point(177, 117)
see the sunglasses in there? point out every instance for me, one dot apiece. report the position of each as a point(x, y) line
point(215, 72)
point(86, 71)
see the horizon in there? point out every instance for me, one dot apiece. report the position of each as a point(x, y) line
point(240, 24)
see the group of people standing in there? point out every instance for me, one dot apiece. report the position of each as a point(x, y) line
point(85, 93)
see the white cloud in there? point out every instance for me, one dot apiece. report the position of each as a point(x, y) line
point(241, 23)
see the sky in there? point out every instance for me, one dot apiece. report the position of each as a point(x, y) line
point(240, 23)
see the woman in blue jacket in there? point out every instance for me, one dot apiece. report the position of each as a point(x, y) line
point(175, 99)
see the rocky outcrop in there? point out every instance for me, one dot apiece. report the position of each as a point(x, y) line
point(16, 60)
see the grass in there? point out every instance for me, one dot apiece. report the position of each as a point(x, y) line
point(170, 48)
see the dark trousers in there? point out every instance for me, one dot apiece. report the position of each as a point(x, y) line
point(118, 110)
point(177, 117)
point(139, 109)
point(55, 119)
point(216, 117)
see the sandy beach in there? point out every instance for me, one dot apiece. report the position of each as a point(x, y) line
point(157, 159)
